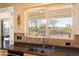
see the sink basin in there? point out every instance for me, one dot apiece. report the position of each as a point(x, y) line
point(45, 51)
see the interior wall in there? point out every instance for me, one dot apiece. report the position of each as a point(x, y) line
point(76, 18)
point(19, 10)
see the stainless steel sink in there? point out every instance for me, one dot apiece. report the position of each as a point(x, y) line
point(45, 51)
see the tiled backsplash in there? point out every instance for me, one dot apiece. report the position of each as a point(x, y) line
point(20, 37)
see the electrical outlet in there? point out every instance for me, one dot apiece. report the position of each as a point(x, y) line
point(67, 44)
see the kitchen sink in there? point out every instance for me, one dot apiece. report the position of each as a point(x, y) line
point(45, 51)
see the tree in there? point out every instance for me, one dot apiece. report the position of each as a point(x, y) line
point(53, 23)
point(68, 28)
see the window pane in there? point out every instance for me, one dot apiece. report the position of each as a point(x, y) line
point(37, 14)
point(37, 22)
point(60, 27)
point(6, 28)
point(37, 27)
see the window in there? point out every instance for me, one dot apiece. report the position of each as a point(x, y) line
point(37, 23)
point(60, 21)
point(60, 27)
point(37, 27)
point(52, 22)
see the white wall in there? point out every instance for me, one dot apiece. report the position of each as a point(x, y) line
point(20, 8)
point(6, 14)
point(76, 18)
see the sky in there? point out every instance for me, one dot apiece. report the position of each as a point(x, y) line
point(60, 21)
point(63, 21)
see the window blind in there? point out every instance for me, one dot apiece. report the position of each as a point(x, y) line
point(37, 14)
point(59, 11)
point(4, 15)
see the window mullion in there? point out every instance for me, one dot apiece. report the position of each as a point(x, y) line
point(47, 34)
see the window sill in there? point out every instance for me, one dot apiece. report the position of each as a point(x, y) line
point(36, 37)
point(53, 37)
point(62, 37)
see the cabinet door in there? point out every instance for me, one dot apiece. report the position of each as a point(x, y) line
point(59, 52)
point(4, 52)
point(27, 54)
point(70, 52)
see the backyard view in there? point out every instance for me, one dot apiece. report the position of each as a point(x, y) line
point(60, 26)
point(37, 27)
point(52, 23)
point(37, 22)
point(56, 26)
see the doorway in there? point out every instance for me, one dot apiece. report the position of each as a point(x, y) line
point(6, 33)
point(7, 27)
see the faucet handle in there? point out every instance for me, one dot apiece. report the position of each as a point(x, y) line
point(41, 39)
point(53, 48)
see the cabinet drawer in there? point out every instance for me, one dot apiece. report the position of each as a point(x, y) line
point(27, 54)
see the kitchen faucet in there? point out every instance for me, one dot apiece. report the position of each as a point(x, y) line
point(43, 45)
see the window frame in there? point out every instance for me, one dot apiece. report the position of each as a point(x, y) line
point(27, 30)
point(63, 36)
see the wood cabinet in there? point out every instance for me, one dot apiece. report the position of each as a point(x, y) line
point(28, 54)
point(4, 52)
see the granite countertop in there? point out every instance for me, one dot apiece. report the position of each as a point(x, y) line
point(20, 49)
point(58, 51)
point(26, 51)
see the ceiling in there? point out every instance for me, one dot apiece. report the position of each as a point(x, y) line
point(24, 4)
